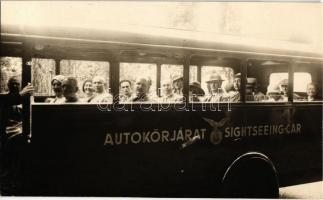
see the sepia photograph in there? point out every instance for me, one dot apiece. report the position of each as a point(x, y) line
point(161, 99)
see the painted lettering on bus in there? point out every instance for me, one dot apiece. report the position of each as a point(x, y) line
point(262, 130)
point(155, 136)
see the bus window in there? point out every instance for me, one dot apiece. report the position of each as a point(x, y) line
point(92, 79)
point(141, 78)
point(216, 85)
point(307, 82)
point(171, 84)
point(267, 81)
point(10, 67)
point(42, 72)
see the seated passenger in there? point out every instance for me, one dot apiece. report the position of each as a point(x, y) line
point(88, 89)
point(311, 91)
point(251, 91)
point(273, 94)
point(101, 95)
point(167, 93)
point(195, 92)
point(178, 85)
point(11, 108)
point(283, 87)
point(215, 93)
point(141, 90)
point(69, 88)
point(57, 88)
point(125, 90)
point(234, 95)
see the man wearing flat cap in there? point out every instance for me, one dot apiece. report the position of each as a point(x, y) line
point(252, 94)
point(57, 88)
point(214, 84)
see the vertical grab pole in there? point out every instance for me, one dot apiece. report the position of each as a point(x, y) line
point(26, 78)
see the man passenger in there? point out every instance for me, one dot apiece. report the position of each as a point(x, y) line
point(101, 95)
point(178, 85)
point(11, 109)
point(142, 89)
point(57, 88)
point(69, 88)
point(252, 93)
point(167, 92)
point(125, 90)
point(214, 84)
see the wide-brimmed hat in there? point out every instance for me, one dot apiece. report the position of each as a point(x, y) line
point(283, 82)
point(273, 90)
point(251, 81)
point(237, 75)
point(214, 77)
point(197, 86)
point(177, 77)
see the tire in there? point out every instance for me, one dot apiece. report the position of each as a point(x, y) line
point(252, 178)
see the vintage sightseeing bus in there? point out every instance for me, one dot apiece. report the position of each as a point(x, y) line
point(244, 148)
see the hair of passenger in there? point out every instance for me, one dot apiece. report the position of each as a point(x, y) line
point(71, 80)
point(12, 79)
point(86, 81)
point(148, 79)
point(125, 80)
point(100, 78)
point(311, 83)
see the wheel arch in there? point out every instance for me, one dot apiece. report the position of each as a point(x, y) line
point(250, 158)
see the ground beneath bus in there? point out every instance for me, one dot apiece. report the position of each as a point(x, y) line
point(304, 191)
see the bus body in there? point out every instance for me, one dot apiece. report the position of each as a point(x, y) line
point(175, 150)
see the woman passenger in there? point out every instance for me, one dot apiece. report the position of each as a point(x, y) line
point(88, 89)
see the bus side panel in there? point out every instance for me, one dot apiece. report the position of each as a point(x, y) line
point(82, 151)
point(293, 143)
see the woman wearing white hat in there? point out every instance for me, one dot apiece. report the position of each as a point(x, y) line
point(57, 88)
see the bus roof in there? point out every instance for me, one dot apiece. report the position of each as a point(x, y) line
point(182, 39)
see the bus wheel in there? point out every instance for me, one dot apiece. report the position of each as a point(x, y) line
point(251, 178)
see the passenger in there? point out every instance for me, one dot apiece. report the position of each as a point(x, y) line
point(311, 91)
point(141, 90)
point(11, 109)
point(195, 92)
point(178, 85)
point(283, 87)
point(214, 85)
point(273, 94)
point(13, 142)
point(69, 87)
point(88, 89)
point(125, 90)
point(101, 95)
point(251, 91)
point(57, 88)
point(167, 92)
point(234, 96)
